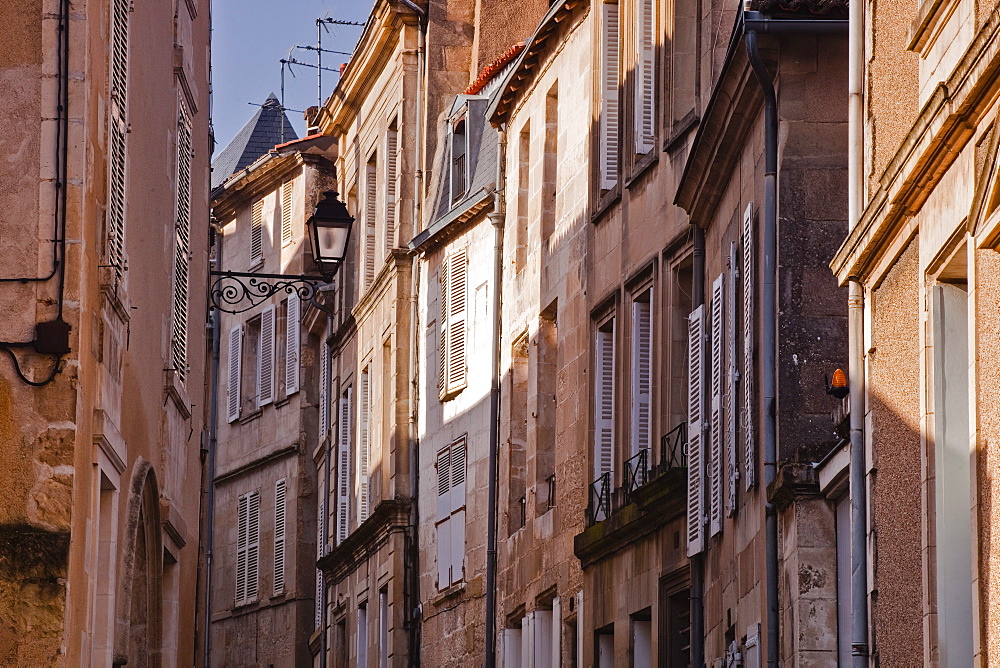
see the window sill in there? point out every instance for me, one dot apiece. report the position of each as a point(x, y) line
point(605, 203)
point(452, 393)
point(641, 166)
point(448, 593)
point(249, 417)
point(680, 130)
point(256, 264)
point(174, 388)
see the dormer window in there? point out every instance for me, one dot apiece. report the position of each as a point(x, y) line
point(459, 165)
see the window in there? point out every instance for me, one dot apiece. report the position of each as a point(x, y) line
point(454, 287)
point(682, 89)
point(117, 133)
point(256, 232)
point(604, 400)
point(459, 165)
point(286, 212)
point(547, 369)
point(364, 444)
point(512, 647)
point(542, 632)
point(550, 162)
point(391, 178)
point(363, 634)
point(644, 125)
point(370, 214)
point(265, 358)
point(641, 642)
point(451, 474)
point(523, 195)
point(324, 390)
point(675, 625)
point(605, 650)
point(383, 627)
point(609, 96)
point(344, 466)
point(182, 245)
point(747, 377)
point(247, 547)
point(292, 343)
point(234, 374)
point(279, 537)
point(517, 445)
point(696, 410)
point(716, 444)
point(641, 372)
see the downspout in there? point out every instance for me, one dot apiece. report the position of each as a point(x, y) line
point(213, 431)
point(698, 560)
point(769, 339)
point(328, 436)
point(497, 220)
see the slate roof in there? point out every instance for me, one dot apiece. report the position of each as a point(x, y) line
point(258, 136)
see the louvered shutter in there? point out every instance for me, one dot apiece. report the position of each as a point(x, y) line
point(292, 344)
point(241, 549)
point(444, 543)
point(235, 362)
point(279, 537)
point(370, 198)
point(391, 150)
point(320, 534)
point(641, 376)
point(182, 247)
point(324, 391)
point(457, 310)
point(363, 445)
point(265, 360)
point(609, 97)
point(286, 212)
point(253, 545)
point(749, 452)
point(344, 468)
point(645, 74)
point(318, 621)
point(714, 467)
point(695, 454)
point(733, 379)
point(459, 469)
point(443, 327)
point(257, 231)
point(604, 423)
point(117, 132)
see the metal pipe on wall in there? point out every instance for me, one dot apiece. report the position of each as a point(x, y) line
point(213, 430)
point(698, 560)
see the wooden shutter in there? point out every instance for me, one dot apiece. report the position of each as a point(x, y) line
point(364, 428)
point(324, 390)
point(391, 173)
point(749, 451)
point(457, 311)
point(609, 97)
point(645, 73)
point(292, 344)
point(370, 198)
point(257, 231)
point(117, 132)
point(344, 468)
point(733, 380)
point(444, 543)
point(443, 327)
point(279, 537)
point(641, 376)
point(182, 247)
point(604, 423)
point(253, 544)
point(459, 469)
point(241, 549)
point(265, 360)
point(696, 409)
point(716, 437)
point(235, 362)
point(286, 212)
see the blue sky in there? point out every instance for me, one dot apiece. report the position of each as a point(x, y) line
point(249, 37)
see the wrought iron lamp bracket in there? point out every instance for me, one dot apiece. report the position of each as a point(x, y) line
point(240, 291)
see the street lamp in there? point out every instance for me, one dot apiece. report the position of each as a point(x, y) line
point(329, 230)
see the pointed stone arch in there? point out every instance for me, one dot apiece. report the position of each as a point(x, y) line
point(138, 625)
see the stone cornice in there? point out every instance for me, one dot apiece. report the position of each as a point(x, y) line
point(390, 516)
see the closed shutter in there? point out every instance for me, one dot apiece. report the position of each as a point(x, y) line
point(344, 468)
point(645, 74)
point(292, 343)
point(443, 327)
point(279, 537)
point(695, 458)
point(235, 361)
point(604, 423)
point(457, 311)
point(370, 197)
point(324, 390)
point(364, 428)
point(609, 97)
point(749, 452)
point(733, 380)
point(286, 212)
point(391, 150)
point(641, 376)
point(716, 437)
point(265, 362)
point(241, 549)
point(444, 543)
point(257, 232)
point(253, 545)
point(182, 247)
point(459, 467)
point(117, 132)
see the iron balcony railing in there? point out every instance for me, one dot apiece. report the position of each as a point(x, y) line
point(599, 507)
point(636, 473)
point(673, 449)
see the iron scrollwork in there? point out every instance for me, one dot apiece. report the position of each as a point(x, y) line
point(237, 292)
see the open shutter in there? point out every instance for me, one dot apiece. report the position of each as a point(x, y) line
point(265, 361)
point(715, 466)
point(644, 77)
point(235, 360)
point(241, 549)
point(604, 423)
point(344, 468)
point(117, 132)
point(182, 246)
point(733, 379)
point(370, 197)
point(286, 212)
point(457, 310)
point(324, 391)
point(292, 344)
point(459, 467)
point(443, 327)
point(695, 454)
point(749, 452)
point(279, 537)
point(253, 544)
point(256, 231)
point(609, 96)
point(391, 149)
point(641, 376)
point(363, 445)
point(444, 543)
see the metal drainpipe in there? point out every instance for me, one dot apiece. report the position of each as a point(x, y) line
point(698, 560)
point(325, 517)
point(213, 431)
point(497, 220)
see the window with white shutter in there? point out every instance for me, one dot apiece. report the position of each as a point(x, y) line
point(733, 381)
point(749, 452)
point(182, 246)
point(364, 443)
point(454, 313)
point(714, 467)
point(391, 177)
point(257, 232)
point(609, 95)
point(344, 467)
point(279, 537)
point(324, 390)
point(695, 449)
point(117, 133)
point(234, 373)
point(444, 543)
point(242, 516)
point(452, 467)
point(641, 375)
point(286, 212)
point(370, 213)
point(292, 343)
point(644, 127)
point(265, 358)
point(604, 390)
point(247, 548)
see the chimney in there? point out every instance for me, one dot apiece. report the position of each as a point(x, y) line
point(312, 118)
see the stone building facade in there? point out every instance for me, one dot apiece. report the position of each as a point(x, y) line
point(104, 228)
